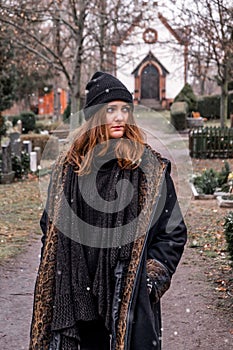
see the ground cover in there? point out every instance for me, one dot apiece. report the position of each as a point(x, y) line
point(19, 216)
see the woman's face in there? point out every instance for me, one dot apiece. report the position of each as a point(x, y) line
point(117, 115)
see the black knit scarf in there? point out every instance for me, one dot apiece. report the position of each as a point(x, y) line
point(97, 228)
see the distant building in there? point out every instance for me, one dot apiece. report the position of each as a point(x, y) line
point(151, 60)
point(41, 104)
point(46, 103)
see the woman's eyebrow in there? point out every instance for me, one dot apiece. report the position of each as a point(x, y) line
point(126, 105)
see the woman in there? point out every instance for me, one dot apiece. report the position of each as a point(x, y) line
point(113, 234)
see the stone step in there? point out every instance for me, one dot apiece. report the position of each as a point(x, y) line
point(151, 103)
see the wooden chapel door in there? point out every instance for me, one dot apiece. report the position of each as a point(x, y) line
point(150, 83)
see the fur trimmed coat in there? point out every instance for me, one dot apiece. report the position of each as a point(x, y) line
point(157, 249)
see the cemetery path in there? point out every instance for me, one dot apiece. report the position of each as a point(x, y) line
point(195, 309)
point(191, 315)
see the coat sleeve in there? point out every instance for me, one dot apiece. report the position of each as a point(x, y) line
point(167, 238)
point(44, 221)
point(43, 225)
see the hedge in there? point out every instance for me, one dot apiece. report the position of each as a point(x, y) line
point(187, 95)
point(209, 106)
point(179, 112)
point(41, 141)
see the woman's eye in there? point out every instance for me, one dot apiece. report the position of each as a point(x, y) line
point(126, 109)
point(110, 110)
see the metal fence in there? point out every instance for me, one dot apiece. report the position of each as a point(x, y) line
point(211, 142)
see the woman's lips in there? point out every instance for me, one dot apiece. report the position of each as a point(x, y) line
point(118, 127)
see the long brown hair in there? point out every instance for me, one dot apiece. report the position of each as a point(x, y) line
point(128, 150)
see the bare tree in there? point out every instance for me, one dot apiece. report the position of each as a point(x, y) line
point(71, 36)
point(210, 42)
point(52, 31)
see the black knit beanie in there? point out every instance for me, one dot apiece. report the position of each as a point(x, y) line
point(103, 88)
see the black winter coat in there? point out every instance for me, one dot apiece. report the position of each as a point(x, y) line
point(155, 256)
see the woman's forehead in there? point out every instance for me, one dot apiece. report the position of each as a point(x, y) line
point(118, 102)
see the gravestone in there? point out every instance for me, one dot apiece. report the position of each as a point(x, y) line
point(38, 151)
point(27, 146)
point(33, 161)
point(7, 175)
point(16, 145)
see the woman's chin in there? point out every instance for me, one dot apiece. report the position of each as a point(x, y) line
point(116, 134)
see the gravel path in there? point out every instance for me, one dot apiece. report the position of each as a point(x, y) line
point(16, 297)
point(190, 321)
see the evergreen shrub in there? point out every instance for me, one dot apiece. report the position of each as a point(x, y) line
point(179, 112)
point(207, 182)
point(66, 113)
point(210, 180)
point(14, 119)
point(209, 106)
point(187, 95)
point(28, 119)
point(2, 126)
point(21, 167)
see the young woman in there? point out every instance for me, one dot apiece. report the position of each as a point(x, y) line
point(113, 234)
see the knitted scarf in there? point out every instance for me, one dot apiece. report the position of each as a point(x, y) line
point(82, 294)
point(46, 288)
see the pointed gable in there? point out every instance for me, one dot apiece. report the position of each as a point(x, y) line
point(150, 58)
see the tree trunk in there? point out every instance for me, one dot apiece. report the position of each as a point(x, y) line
point(76, 118)
point(202, 92)
point(224, 103)
point(56, 103)
point(75, 91)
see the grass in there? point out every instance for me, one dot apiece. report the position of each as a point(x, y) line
point(20, 212)
point(216, 122)
point(143, 113)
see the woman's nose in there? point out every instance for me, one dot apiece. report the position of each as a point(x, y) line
point(119, 115)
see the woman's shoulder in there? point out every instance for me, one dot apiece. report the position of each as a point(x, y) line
point(157, 156)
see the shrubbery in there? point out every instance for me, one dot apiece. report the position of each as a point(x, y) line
point(66, 113)
point(187, 95)
point(207, 182)
point(42, 141)
point(28, 121)
point(179, 111)
point(2, 126)
point(21, 167)
point(37, 140)
point(209, 106)
point(228, 230)
point(210, 180)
